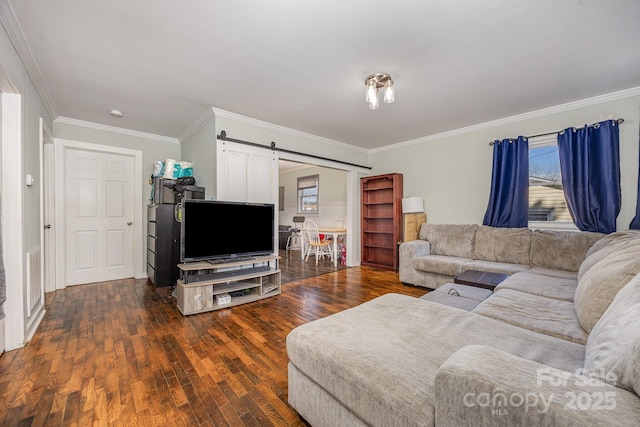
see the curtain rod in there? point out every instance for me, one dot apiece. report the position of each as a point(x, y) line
point(272, 147)
point(618, 121)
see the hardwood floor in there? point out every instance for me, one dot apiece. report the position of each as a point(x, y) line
point(120, 353)
point(293, 267)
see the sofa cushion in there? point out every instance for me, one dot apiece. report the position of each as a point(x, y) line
point(600, 284)
point(440, 264)
point(561, 274)
point(561, 250)
point(456, 301)
point(609, 238)
point(607, 245)
point(470, 292)
point(380, 359)
point(537, 284)
point(450, 239)
point(613, 347)
point(510, 245)
point(495, 267)
point(544, 315)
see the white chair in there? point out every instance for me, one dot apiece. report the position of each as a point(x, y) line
point(294, 239)
point(314, 244)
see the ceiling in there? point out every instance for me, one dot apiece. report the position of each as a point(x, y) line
point(302, 64)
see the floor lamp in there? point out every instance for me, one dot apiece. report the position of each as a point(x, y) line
point(414, 217)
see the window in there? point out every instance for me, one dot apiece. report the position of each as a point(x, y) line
point(547, 205)
point(308, 194)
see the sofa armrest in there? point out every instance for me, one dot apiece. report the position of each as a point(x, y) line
point(408, 252)
point(415, 248)
point(483, 386)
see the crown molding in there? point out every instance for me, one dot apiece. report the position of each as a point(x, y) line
point(613, 96)
point(277, 128)
point(202, 120)
point(115, 129)
point(11, 26)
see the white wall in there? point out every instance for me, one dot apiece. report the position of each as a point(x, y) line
point(152, 149)
point(453, 173)
point(333, 195)
point(33, 109)
point(200, 149)
point(264, 133)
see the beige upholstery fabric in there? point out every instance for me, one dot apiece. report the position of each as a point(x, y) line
point(409, 251)
point(537, 284)
point(509, 245)
point(379, 359)
point(614, 242)
point(495, 267)
point(607, 239)
point(561, 274)
point(613, 346)
point(315, 405)
point(561, 250)
point(509, 391)
point(460, 302)
point(600, 284)
point(450, 239)
point(471, 292)
point(544, 315)
point(440, 264)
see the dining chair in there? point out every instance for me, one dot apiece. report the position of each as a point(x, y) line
point(294, 239)
point(314, 244)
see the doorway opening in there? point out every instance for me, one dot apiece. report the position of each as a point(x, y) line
point(322, 200)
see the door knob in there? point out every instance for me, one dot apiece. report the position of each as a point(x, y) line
point(47, 226)
point(129, 223)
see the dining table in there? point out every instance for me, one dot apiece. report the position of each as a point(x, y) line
point(334, 232)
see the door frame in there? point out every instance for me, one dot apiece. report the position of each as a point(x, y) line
point(61, 146)
point(12, 219)
point(354, 173)
point(47, 207)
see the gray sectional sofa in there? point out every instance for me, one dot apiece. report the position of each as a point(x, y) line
point(557, 343)
point(446, 250)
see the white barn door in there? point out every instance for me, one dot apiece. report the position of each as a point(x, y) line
point(246, 173)
point(99, 216)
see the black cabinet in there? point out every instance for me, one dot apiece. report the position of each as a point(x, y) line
point(163, 245)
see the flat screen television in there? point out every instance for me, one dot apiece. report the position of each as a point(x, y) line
point(217, 230)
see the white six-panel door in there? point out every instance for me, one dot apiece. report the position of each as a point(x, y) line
point(99, 216)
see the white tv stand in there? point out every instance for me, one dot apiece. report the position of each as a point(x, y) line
point(203, 284)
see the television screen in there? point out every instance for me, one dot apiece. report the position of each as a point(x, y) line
point(218, 230)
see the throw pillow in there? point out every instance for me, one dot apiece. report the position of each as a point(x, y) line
point(613, 347)
point(561, 250)
point(606, 246)
point(600, 284)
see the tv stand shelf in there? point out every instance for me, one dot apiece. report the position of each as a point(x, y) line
point(201, 284)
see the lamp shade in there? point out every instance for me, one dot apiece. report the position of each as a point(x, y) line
point(412, 204)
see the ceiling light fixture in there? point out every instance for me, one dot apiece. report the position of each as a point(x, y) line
point(116, 113)
point(375, 82)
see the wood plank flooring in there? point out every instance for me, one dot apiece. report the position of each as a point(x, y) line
point(293, 267)
point(121, 354)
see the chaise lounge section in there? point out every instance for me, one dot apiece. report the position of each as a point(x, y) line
point(404, 361)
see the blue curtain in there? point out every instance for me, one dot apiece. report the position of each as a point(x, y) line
point(509, 198)
point(590, 167)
